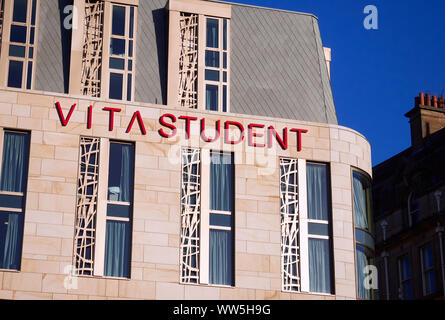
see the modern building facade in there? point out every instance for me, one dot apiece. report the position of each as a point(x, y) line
point(175, 150)
point(409, 209)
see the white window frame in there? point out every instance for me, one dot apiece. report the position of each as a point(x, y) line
point(102, 205)
point(202, 45)
point(107, 35)
point(5, 39)
point(204, 257)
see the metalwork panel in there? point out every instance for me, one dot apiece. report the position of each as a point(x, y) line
point(290, 225)
point(190, 215)
point(86, 210)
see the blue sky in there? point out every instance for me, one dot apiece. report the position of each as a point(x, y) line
point(377, 73)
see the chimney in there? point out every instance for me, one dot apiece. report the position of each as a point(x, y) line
point(427, 117)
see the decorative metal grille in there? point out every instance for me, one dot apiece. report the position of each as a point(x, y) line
point(92, 48)
point(188, 61)
point(85, 228)
point(190, 215)
point(290, 229)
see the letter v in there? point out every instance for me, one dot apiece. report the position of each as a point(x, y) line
point(62, 118)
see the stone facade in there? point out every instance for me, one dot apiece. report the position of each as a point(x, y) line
point(155, 271)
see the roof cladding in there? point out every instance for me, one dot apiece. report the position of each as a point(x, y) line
point(278, 67)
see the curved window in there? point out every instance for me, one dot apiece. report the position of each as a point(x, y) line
point(413, 209)
point(364, 237)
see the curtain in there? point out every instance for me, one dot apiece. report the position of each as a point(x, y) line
point(317, 192)
point(220, 257)
point(117, 249)
point(126, 174)
point(11, 257)
point(15, 156)
point(360, 209)
point(362, 262)
point(319, 266)
point(221, 182)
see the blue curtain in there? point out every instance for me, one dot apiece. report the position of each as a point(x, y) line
point(117, 249)
point(15, 158)
point(319, 266)
point(360, 209)
point(317, 192)
point(221, 182)
point(220, 257)
point(12, 243)
point(126, 174)
point(362, 262)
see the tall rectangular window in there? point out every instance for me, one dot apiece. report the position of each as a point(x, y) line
point(122, 52)
point(216, 65)
point(119, 210)
point(221, 218)
point(105, 202)
point(319, 228)
point(306, 236)
point(428, 276)
point(13, 184)
point(364, 237)
point(21, 49)
point(405, 282)
point(207, 215)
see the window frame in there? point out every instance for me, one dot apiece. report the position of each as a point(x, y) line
point(328, 222)
point(102, 206)
point(106, 55)
point(425, 271)
point(203, 49)
point(369, 231)
point(402, 280)
point(6, 43)
point(204, 272)
point(20, 194)
point(304, 222)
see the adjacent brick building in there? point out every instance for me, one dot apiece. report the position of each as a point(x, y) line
point(409, 209)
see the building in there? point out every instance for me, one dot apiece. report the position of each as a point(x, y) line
point(409, 209)
point(175, 150)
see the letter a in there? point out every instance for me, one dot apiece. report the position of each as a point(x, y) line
point(372, 20)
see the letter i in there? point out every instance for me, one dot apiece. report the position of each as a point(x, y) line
point(90, 117)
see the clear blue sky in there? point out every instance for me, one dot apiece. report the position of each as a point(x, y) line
point(377, 73)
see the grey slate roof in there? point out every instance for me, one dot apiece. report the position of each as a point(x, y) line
point(278, 67)
point(277, 61)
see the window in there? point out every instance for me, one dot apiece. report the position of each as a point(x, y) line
point(413, 209)
point(13, 183)
point(221, 218)
point(216, 65)
point(119, 210)
point(111, 164)
point(364, 238)
point(201, 77)
point(122, 53)
point(319, 233)
point(21, 20)
point(108, 51)
point(306, 247)
point(427, 264)
point(405, 277)
point(207, 237)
